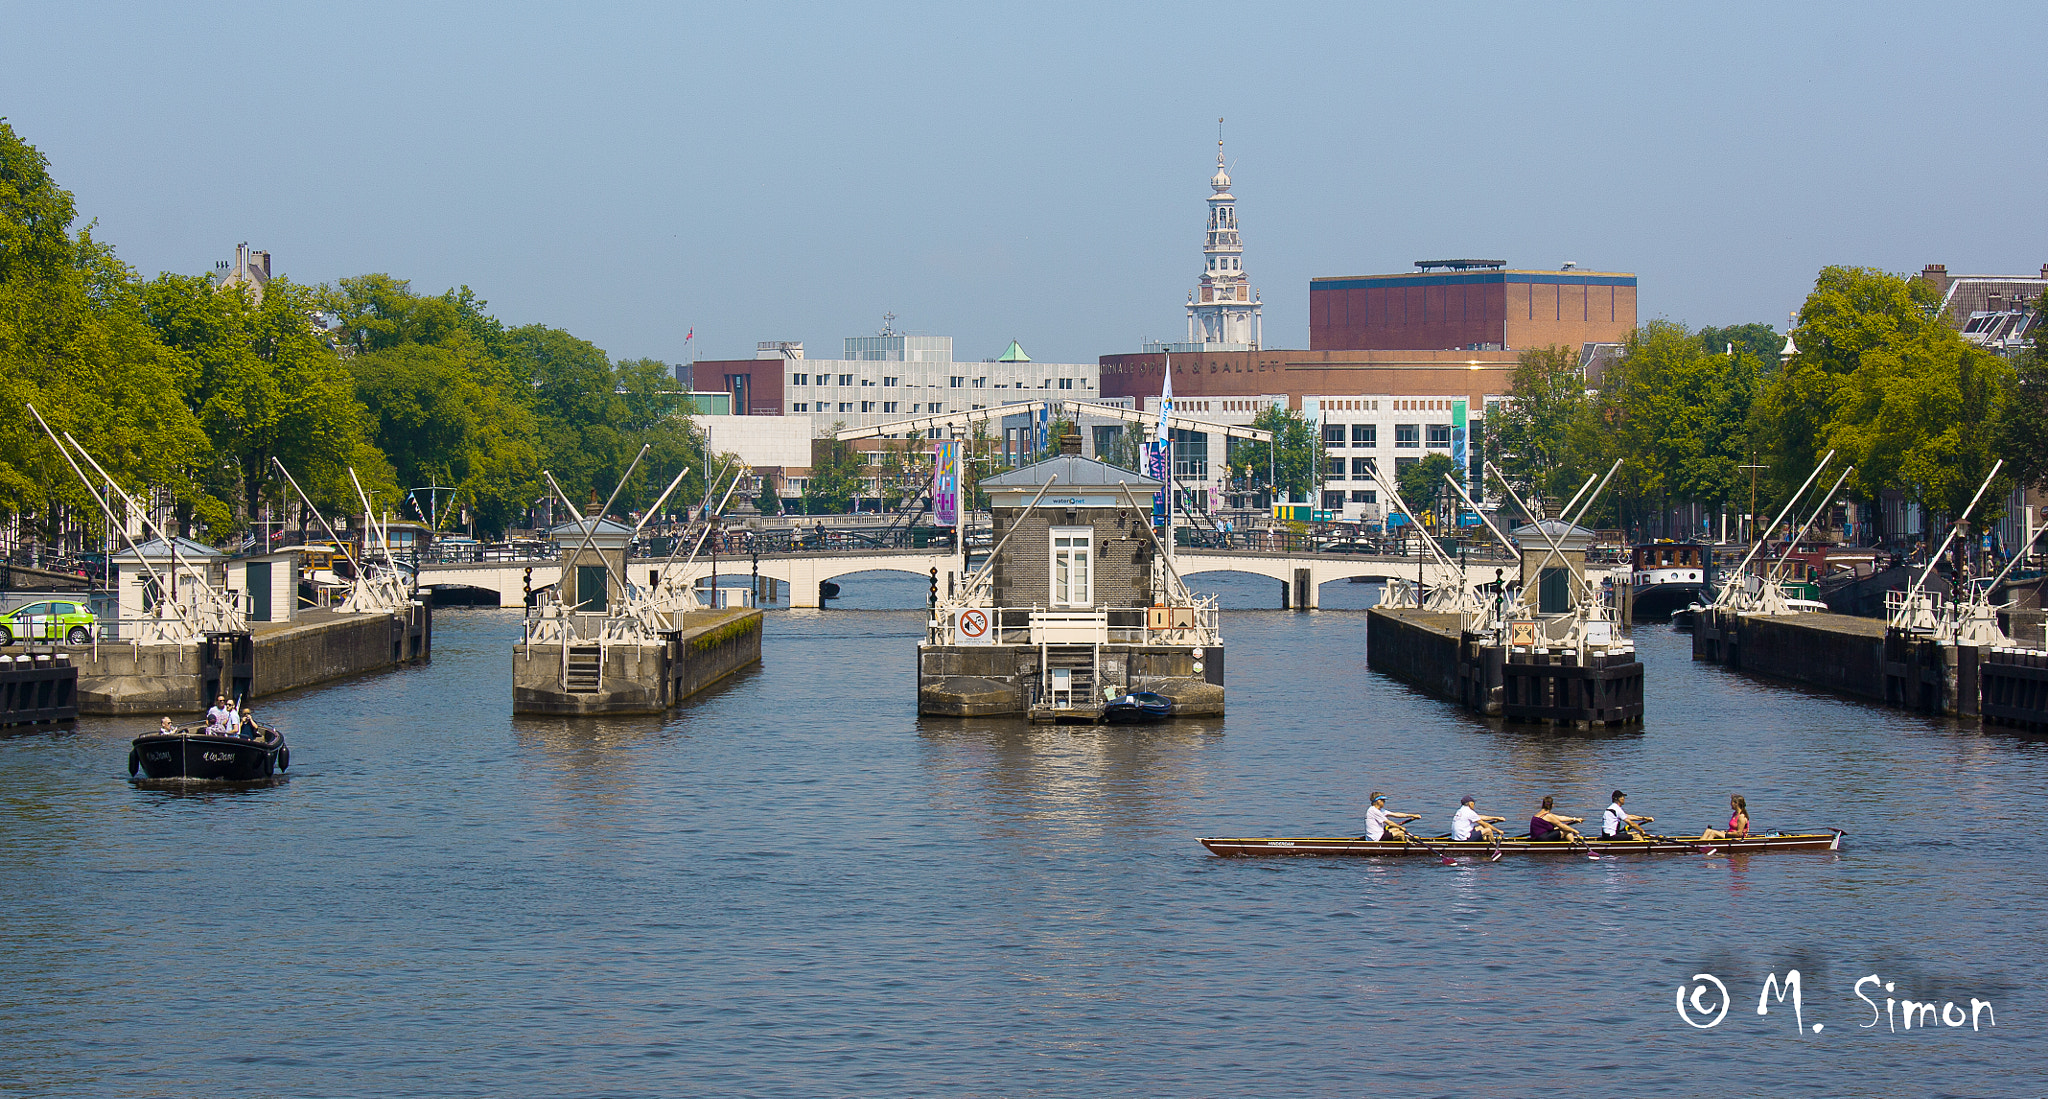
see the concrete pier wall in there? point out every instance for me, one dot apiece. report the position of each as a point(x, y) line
point(116, 678)
point(1833, 652)
point(37, 688)
point(1416, 647)
point(1435, 654)
point(706, 647)
point(996, 680)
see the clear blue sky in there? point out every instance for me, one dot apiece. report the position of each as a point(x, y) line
point(762, 171)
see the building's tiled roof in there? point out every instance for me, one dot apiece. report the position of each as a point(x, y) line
point(187, 548)
point(1071, 470)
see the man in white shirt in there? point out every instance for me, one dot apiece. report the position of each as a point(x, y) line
point(1468, 824)
point(219, 715)
point(1378, 820)
point(1617, 824)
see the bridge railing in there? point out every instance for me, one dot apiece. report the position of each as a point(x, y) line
point(1123, 625)
point(1291, 541)
point(742, 542)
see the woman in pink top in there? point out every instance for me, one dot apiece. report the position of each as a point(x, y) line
point(1738, 821)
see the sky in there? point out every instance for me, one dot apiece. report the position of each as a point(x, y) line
point(760, 171)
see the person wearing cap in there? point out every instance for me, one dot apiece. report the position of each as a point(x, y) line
point(220, 716)
point(1468, 824)
point(1616, 823)
point(1378, 822)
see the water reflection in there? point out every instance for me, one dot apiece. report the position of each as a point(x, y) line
point(1087, 780)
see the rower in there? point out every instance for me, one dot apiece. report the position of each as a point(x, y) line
point(1738, 821)
point(1616, 823)
point(1379, 822)
point(1548, 825)
point(1468, 824)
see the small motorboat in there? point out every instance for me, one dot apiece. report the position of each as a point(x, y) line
point(191, 752)
point(1137, 708)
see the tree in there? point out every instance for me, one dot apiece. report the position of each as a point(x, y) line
point(1422, 484)
point(1677, 409)
point(1293, 461)
point(1532, 433)
point(263, 384)
point(1852, 310)
point(835, 478)
point(1124, 451)
point(2022, 432)
point(1759, 340)
point(1913, 416)
point(73, 342)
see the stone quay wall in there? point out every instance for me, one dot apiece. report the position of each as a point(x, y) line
point(706, 647)
point(116, 679)
point(1833, 652)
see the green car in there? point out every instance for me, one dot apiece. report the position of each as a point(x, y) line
point(49, 620)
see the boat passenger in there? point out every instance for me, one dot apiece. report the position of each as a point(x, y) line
point(1738, 821)
point(1468, 824)
point(1548, 825)
point(247, 726)
point(218, 714)
point(1617, 823)
point(1379, 822)
point(165, 726)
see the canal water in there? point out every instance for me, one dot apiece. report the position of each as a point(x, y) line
point(795, 887)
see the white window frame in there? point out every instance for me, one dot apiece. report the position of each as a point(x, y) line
point(1079, 538)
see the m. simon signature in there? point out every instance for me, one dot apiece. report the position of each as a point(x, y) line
point(1703, 1003)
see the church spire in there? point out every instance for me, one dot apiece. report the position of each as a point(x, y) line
point(1224, 310)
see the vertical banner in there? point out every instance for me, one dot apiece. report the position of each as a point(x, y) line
point(1158, 470)
point(1459, 449)
point(946, 481)
point(1044, 422)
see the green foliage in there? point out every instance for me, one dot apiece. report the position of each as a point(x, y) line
point(1678, 408)
point(1422, 484)
point(1851, 310)
point(1913, 416)
point(262, 383)
point(1760, 341)
point(895, 472)
point(836, 477)
point(1293, 461)
point(1537, 436)
point(2022, 432)
point(73, 342)
point(1125, 451)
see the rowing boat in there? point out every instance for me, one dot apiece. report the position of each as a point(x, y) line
point(1830, 840)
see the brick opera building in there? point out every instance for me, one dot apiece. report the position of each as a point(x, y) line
point(1452, 327)
point(1471, 304)
point(1398, 366)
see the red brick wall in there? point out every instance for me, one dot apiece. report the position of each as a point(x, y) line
point(764, 389)
point(1310, 373)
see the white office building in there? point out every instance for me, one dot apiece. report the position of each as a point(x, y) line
point(893, 377)
point(1361, 433)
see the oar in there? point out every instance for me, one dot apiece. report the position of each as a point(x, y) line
point(1573, 835)
point(1688, 843)
point(1409, 837)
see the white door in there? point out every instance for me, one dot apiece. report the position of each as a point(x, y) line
point(1071, 582)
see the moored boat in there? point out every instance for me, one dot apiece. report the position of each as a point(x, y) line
point(1137, 708)
point(1667, 577)
point(1830, 840)
point(190, 752)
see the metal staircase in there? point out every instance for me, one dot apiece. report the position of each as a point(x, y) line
point(1068, 677)
point(582, 668)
